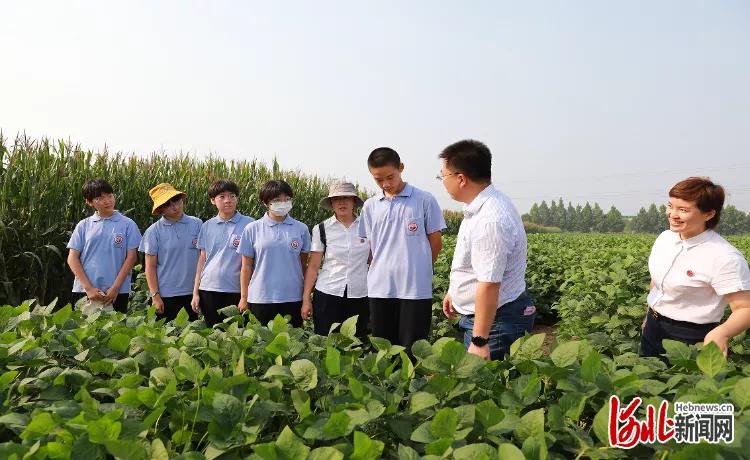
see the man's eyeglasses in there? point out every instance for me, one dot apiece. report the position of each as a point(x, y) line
point(105, 197)
point(440, 177)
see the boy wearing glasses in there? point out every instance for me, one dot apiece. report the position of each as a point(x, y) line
point(103, 250)
point(403, 225)
point(171, 248)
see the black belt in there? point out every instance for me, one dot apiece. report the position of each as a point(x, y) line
point(659, 317)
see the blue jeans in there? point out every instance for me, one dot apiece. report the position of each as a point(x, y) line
point(512, 320)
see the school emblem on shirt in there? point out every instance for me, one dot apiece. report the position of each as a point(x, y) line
point(690, 273)
point(195, 242)
point(236, 242)
point(412, 227)
point(117, 240)
point(295, 244)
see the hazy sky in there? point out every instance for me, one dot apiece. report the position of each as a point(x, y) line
point(589, 100)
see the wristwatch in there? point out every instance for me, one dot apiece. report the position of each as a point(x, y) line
point(151, 295)
point(480, 341)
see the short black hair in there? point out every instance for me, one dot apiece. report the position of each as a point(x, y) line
point(273, 188)
point(470, 158)
point(383, 156)
point(95, 188)
point(223, 185)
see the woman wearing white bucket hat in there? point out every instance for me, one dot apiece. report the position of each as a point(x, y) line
point(341, 284)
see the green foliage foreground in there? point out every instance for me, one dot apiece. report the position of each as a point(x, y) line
point(133, 387)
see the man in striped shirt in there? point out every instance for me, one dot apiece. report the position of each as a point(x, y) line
point(487, 280)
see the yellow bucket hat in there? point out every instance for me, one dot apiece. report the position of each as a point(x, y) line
point(162, 193)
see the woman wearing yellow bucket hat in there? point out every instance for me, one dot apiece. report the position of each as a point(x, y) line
point(171, 248)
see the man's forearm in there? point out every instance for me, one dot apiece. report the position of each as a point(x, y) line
point(485, 308)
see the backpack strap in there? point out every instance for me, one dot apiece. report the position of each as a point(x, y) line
point(322, 229)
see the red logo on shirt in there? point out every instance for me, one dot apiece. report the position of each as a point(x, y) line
point(412, 227)
point(690, 273)
point(195, 242)
point(118, 240)
point(236, 242)
point(295, 244)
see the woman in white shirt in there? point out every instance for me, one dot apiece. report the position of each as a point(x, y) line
point(341, 283)
point(695, 274)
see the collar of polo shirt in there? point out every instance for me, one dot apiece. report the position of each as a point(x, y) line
point(333, 221)
point(476, 204)
point(694, 241)
point(116, 216)
point(232, 219)
point(405, 192)
point(183, 220)
point(272, 223)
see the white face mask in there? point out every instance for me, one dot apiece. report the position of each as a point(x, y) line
point(281, 209)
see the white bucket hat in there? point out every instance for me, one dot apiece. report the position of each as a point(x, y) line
point(341, 188)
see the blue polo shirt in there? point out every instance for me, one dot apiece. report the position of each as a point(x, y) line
point(397, 228)
point(104, 244)
point(220, 239)
point(275, 248)
point(175, 245)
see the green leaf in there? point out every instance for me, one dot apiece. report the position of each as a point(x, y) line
point(301, 402)
point(279, 345)
point(182, 318)
point(452, 353)
point(290, 445)
point(476, 451)
point(158, 450)
point(565, 354)
point(531, 424)
point(601, 424)
point(349, 327)
point(440, 447)
point(676, 350)
point(126, 450)
point(421, 400)
point(6, 378)
point(366, 448)
point(159, 377)
point(15, 420)
point(62, 315)
point(305, 374)
point(711, 360)
point(41, 424)
point(741, 393)
point(407, 453)
point(102, 430)
point(239, 368)
point(333, 361)
point(336, 426)
point(591, 366)
point(189, 368)
point(325, 453)
point(535, 448)
point(228, 410)
point(489, 414)
point(510, 452)
point(119, 342)
point(444, 423)
point(193, 340)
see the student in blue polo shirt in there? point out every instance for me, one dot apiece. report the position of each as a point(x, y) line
point(217, 276)
point(404, 227)
point(103, 250)
point(274, 252)
point(171, 248)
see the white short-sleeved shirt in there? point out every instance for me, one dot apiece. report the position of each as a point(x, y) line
point(175, 245)
point(397, 230)
point(345, 259)
point(490, 248)
point(275, 248)
point(104, 243)
point(220, 239)
point(692, 276)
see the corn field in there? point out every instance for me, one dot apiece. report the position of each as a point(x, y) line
point(41, 202)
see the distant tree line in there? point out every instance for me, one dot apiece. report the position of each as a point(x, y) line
point(587, 218)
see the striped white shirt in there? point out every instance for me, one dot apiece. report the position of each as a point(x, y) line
point(490, 247)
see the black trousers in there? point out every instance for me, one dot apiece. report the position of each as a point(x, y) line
point(211, 302)
point(329, 309)
point(172, 306)
point(265, 312)
point(120, 304)
point(660, 327)
point(401, 321)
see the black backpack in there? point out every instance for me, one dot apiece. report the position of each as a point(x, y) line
point(322, 229)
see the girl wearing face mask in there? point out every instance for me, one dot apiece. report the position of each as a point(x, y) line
point(274, 253)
